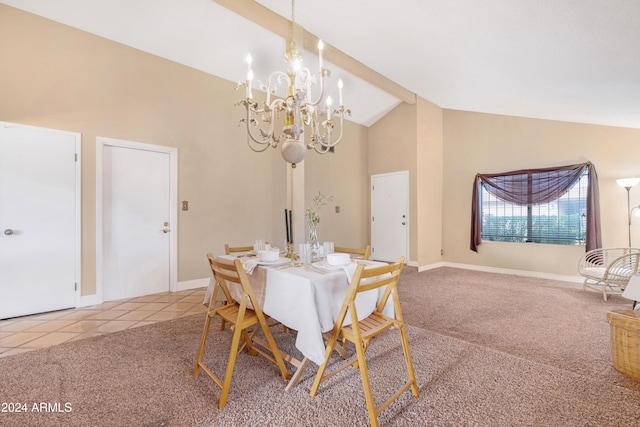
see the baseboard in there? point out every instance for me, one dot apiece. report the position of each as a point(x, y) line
point(192, 284)
point(430, 266)
point(89, 300)
point(537, 274)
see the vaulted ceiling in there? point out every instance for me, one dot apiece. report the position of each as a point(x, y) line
point(571, 60)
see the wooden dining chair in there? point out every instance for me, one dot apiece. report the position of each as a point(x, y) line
point(229, 250)
point(359, 253)
point(360, 333)
point(245, 317)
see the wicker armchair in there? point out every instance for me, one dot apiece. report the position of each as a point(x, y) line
point(609, 269)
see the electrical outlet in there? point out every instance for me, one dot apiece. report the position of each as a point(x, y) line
point(185, 205)
point(337, 209)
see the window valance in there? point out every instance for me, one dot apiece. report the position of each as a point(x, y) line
point(533, 186)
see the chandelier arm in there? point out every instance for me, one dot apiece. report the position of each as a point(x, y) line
point(264, 145)
point(278, 75)
point(321, 95)
point(265, 140)
point(327, 135)
point(319, 148)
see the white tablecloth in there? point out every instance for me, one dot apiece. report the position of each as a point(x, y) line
point(309, 302)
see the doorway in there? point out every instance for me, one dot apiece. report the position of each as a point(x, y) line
point(39, 220)
point(390, 216)
point(136, 219)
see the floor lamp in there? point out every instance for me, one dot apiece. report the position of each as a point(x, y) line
point(627, 183)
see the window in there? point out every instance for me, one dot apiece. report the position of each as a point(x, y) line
point(556, 205)
point(561, 221)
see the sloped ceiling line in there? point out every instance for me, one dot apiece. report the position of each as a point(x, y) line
point(280, 26)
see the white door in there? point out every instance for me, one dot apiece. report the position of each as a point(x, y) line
point(389, 216)
point(39, 217)
point(136, 220)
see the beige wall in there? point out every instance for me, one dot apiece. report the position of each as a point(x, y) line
point(410, 138)
point(429, 173)
point(58, 77)
point(344, 175)
point(485, 143)
point(392, 148)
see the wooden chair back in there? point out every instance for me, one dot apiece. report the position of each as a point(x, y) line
point(361, 332)
point(229, 250)
point(360, 253)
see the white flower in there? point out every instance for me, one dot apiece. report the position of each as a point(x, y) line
point(311, 213)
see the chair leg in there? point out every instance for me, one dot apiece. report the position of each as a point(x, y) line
point(409, 361)
point(319, 375)
point(274, 349)
point(366, 386)
point(230, 365)
point(247, 341)
point(203, 343)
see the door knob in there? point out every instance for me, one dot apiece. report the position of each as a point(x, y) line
point(8, 232)
point(403, 223)
point(166, 228)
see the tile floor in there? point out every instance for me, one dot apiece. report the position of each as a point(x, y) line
point(26, 333)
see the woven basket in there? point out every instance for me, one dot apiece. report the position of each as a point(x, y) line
point(625, 342)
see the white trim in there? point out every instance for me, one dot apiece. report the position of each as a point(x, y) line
point(77, 136)
point(431, 266)
point(101, 142)
point(193, 284)
point(89, 300)
point(526, 273)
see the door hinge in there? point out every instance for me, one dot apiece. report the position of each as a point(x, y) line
point(75, 286)
point(373, 218)
point(373, 250)
point(373, 187)
point(75, 157)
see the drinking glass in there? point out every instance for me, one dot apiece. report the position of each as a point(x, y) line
point(328, 248)
point(305, 253)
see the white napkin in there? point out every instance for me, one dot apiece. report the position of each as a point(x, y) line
point(349, 269)
point(249, 264)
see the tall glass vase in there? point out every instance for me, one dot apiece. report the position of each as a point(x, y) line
point(315, 244)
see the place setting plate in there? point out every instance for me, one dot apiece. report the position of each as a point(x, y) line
point(326, 266)
point(279, 261)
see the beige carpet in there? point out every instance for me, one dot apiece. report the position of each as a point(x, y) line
point(489, 350)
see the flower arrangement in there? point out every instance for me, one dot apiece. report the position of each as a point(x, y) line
point(312, 213)
point(313, 219)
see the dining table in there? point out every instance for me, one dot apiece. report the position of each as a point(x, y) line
point(306, 298)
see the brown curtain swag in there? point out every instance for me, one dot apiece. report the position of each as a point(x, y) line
point(548, 184)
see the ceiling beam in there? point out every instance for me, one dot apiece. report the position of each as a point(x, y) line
point(281, 26)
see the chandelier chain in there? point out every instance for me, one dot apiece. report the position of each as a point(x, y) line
point(293, 17)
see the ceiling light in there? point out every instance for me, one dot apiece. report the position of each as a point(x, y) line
point(295, 111)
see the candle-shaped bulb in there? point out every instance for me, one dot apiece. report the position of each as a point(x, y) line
point(328, 108)
point(320, 47)
point(249, 79)
point(340, 91)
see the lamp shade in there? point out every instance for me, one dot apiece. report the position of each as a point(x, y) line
point(632, 291)
point(627, 182)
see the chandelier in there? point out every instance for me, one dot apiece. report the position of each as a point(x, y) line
point(296, 110)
